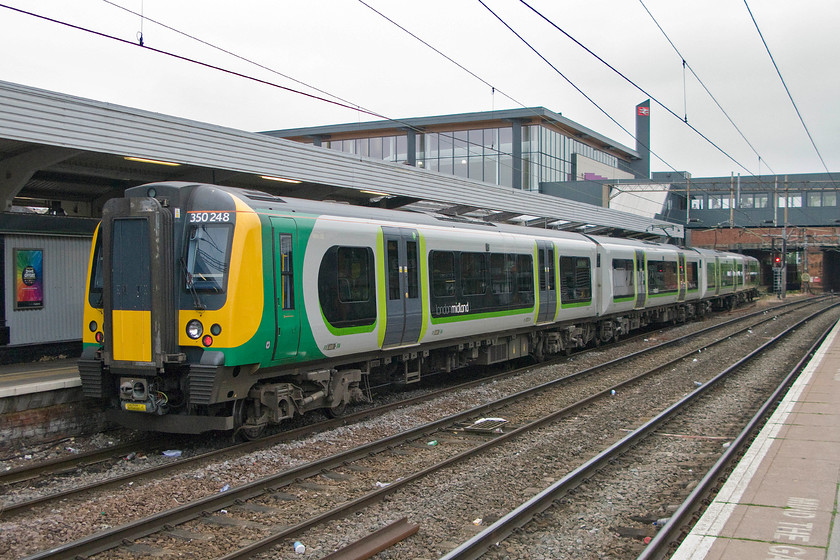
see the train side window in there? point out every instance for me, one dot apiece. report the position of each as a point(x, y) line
point(287, 289)
point(623, 275)
point(662, 277)
point(473, 274)
point(711, 275)
point(443, 273)
point(525, 275)
point(346, 286)
point(575, 279)
point(501, 267)
point(691, 275)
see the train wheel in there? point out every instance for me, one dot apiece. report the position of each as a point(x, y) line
point(241, 426)
point(336, 411)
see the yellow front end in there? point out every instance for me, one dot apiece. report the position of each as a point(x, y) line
point(238, 320)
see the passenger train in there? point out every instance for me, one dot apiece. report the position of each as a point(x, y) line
point(215, 308)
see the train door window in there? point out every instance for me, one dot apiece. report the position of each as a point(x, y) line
point(623, 285)
point(711, 275)
point(473, 274)
point(413, 273)
point(443, 273)
point(691, 275)
point(542, 268)
point(393, 269)
point(287, 288)
point(575, 279)
point(551, 270)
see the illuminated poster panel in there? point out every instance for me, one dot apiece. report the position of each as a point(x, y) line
point(29, 278)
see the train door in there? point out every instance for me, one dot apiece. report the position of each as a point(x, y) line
point(717, 275)
point(641, 279)
point(139, 294)
point(404, 311)
point(681, 278)
point(547, 277)
point(286, 310)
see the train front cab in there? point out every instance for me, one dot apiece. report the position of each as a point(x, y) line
point(177, 326)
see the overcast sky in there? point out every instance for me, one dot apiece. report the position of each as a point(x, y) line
point(347, 50)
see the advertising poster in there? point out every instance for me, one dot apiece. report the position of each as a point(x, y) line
point(29, 278)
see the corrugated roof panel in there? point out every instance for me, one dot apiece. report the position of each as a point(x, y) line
point(33, 115)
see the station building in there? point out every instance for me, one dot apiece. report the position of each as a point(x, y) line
point(527, 149)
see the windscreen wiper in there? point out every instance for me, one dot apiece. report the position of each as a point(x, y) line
point(199, 305)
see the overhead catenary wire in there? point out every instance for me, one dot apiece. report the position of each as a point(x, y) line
point(345, 101)
point(631, 82)
point(686, 65)
point(336, 101)
point(494, 89)
point(653, 98)
point(345, 105)
point(787, 90)
point(223, 70)
point(360, 107)
point(590, 99)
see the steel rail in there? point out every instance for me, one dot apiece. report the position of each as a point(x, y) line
point(375, 542)
point(366, 500)
point(666, 536)
point(520, 516)
point(105, 540)
point(245, 447)
point(29, 472)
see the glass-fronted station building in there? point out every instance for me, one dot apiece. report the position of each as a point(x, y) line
point(521, 148)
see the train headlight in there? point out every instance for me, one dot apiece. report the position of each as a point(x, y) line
point(195, 329)
point(93, 326)
point(207, 340)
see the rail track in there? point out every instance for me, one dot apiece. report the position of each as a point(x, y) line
point(78, 462)
point(248, 506)
point(663, 540)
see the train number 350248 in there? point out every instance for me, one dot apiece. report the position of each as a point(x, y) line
point(209, 217)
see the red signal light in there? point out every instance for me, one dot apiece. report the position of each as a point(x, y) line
point(207, 340)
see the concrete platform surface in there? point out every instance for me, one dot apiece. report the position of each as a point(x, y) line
point(781, 500)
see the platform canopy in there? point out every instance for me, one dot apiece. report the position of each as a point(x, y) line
point(72, 154)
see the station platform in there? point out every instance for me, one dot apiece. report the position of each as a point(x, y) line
point(43, 400)
point(38, 377)
point(781, 500)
